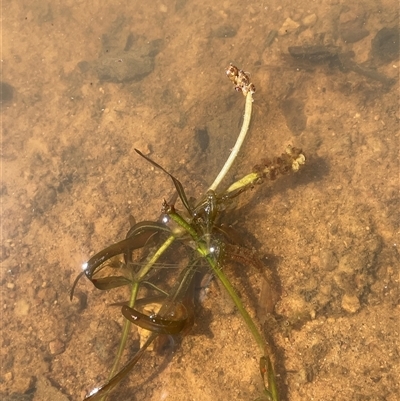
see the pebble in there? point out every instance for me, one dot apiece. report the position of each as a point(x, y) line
point(225, 31)
point(328, 260)
point(23, 383)
point(56, 347)
point(287, 27)
point(350, 303)
point(21, 307)
point(8, 376)
point(309, 20)
point(351, 25)
point(45, 198)
point(7, 92)
point(385, 45)
point(48, 295)
point(133, 64)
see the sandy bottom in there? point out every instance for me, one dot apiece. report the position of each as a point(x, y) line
point(84, 85)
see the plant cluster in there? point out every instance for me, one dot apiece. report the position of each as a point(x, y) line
point(196, 237)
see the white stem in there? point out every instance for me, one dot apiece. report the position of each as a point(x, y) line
point(238, 144)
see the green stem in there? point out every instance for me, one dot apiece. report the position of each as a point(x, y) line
point(134, 293)
point(203, 250)
point(145, 269)
point(125, 331)
point(237, 301)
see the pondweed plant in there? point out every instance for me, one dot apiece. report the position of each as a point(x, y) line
point(196, 237)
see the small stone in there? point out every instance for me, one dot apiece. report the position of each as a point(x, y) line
point(287, 27)
point(328, 260)
point(385, 45)
point(23, 383)
point(8, 376)
point(350, 303)
point(48, 295)
point(225, 31)
point(45, 198)
point(56, 347)
point(119, 65)
point(309, 20)
point(7, 92)
point(354, 35)
point(351, 25)
point(21, 307)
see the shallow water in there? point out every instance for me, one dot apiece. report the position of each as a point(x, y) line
point(86, 84)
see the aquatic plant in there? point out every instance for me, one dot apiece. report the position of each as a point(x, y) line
point(193, 235)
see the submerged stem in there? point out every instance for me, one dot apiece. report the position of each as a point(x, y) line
point(125, 332)
point(134, 293)
point(203, 250)
point(155, 257)
point(239, 142)
point(238, 302)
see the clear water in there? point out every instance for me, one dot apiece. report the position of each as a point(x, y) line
point(84, 84)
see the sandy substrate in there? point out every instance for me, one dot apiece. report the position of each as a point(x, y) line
point(83, 85)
